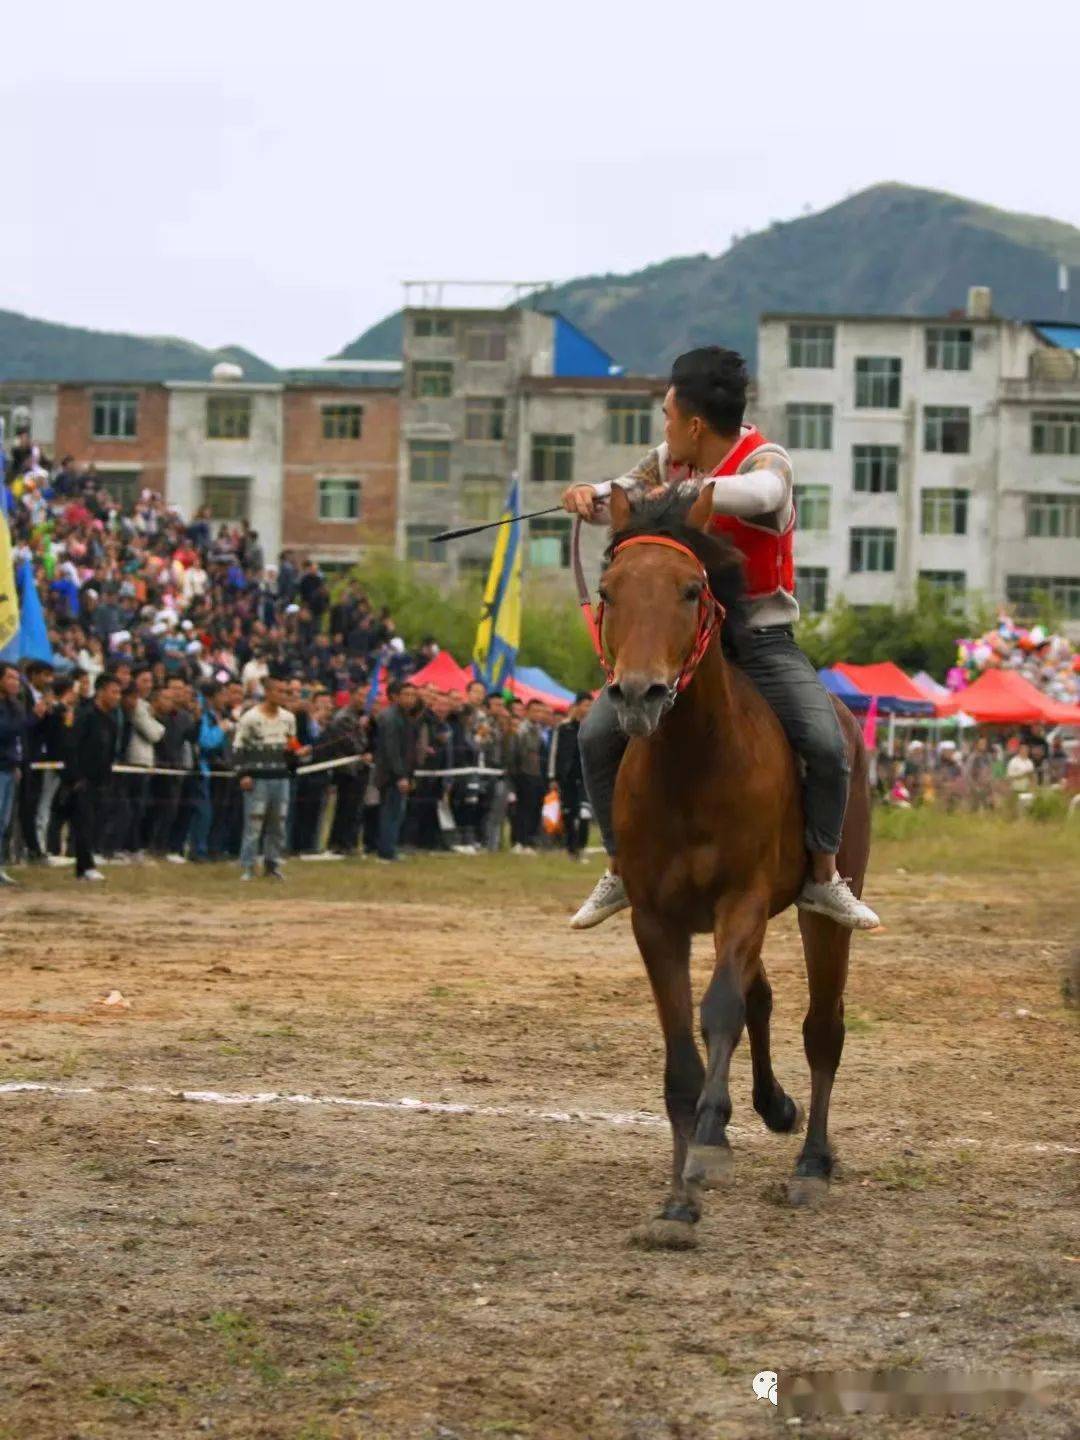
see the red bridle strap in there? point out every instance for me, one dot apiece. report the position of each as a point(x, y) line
point(710, 614)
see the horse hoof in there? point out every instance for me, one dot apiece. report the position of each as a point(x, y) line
point(708, 1166)
point(807, 1191)
point(661, 1234)
point(799, 1123)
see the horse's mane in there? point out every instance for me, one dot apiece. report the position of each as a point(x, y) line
point(667, 515)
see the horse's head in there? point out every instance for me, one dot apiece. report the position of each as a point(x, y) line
point(659, 601)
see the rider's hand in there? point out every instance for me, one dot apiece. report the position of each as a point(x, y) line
point(580, 500)
point(246, 782)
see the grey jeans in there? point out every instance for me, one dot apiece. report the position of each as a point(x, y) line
point(266, 814)
point(790, 684)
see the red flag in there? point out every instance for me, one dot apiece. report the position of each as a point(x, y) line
point(869, 729)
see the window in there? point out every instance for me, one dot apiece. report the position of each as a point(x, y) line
point(227, 496)
point(427, 326)
point(875, 469)
point(487, 344)
point(1030, 593)
point(809, 427)
point(810, 347)
point(549, 542)
point(228, 417)
point(1055, 432)
point(812, 507)
point(124, 486)
point(629, 421)
point(944, 512)
point(418, 544)
point(484, 419)
point(948, 347)
point(872, 549)
point(1053, 517)
point(114, 414)
point(429, 462)
point(482, 498)
point(553, 458)
point(953, 582)
point(877, 382)
point(812, 588)
point(339, 498)
point(432, 379)
point(342, 422)
point(947, 428)
point(14, 414)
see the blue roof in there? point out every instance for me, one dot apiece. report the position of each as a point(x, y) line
point(838, 684)
point(576, 354)
point(541, 680)
point(1065, 337)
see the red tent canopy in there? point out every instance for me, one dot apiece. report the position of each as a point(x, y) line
point(883, 680)
point(444, 673)
point(1004, 697)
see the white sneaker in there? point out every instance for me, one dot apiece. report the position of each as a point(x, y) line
point(92, 875)
point(176, 859)
point(247, 874)
point(835, 899)
point(607, 899)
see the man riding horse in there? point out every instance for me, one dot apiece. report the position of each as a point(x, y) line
point(706, 443)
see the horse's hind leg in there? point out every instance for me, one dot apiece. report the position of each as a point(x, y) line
point(667, 960)
point(740, 932)
point(826, 946)
point(779, 1111)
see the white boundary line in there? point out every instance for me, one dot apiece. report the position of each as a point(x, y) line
point(407, 1105)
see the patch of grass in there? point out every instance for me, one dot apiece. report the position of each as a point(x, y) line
point(504, 1427)
point(439, 992)
point(905, 1175)
point(230, 1050)
point(858, 1024)
point(343, 1362)
point(314, 1430)
point(68, 1064)
point(279, 1032)
point(244, 1345)
point(139, 1394)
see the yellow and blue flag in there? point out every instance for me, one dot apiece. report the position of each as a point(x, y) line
point(499, 632)
point(9, 595)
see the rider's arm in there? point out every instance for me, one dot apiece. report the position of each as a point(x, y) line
point(649, 472)
point(761, 486)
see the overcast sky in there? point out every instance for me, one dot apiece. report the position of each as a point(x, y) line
point(268, 174)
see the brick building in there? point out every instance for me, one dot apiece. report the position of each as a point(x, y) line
point(339, 498)
point(122, 430)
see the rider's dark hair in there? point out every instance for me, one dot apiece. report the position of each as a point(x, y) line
point(711, 383)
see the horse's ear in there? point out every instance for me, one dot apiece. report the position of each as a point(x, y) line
point(620, 509)
point(701, 511)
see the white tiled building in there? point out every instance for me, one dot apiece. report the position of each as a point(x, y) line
point(944, 450)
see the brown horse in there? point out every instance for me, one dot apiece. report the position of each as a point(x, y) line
point(708, 818)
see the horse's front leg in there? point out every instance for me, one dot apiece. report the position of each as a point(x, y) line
point(667, 960)
point(739, 933)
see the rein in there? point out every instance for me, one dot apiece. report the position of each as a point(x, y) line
point(709, 620)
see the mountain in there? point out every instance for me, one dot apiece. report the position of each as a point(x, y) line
point(39, 350)
point(891, 249)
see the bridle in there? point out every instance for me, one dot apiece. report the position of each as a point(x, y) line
point(710, 616)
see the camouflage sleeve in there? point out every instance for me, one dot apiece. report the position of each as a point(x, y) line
point(649, 472)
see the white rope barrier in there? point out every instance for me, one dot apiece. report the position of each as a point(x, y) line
point(312, 769)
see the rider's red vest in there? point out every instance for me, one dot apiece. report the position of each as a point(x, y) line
point(769, 554)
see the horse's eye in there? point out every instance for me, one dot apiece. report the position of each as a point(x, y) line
point(692, 592)
point(604, 596)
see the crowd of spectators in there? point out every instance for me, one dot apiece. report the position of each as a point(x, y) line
point(191, 684)
point(979, 772)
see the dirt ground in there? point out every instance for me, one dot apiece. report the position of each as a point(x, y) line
point(315, 1272)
